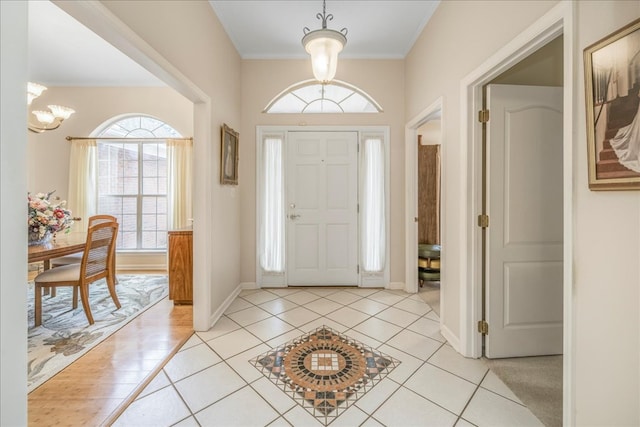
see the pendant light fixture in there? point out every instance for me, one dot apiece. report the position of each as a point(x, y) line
point(47, 120)
point(324, 45)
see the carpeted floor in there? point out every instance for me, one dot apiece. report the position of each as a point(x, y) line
point(537, 381)
point(65, 334)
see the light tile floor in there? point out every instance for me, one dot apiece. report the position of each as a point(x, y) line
point(210, 382)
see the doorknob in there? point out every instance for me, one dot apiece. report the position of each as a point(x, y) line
point(294, 216)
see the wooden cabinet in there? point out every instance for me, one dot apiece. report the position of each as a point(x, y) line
point(181, 266)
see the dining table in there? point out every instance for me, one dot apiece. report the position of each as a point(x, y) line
point(60, 245)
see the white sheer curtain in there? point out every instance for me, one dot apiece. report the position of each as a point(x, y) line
point(272, 209)
point(179, 181)
point(83, 180)
point(373, 210)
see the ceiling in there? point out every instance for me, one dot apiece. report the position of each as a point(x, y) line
point(273, 29)
point(62, 52)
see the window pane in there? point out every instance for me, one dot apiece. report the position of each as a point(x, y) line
point(149, 205)
point(150, 151)
point(129, 240)
point(150, 185)
point(149, 239)
point(150, 124)
point(130, 151)
point(162, 205)
point(131, 168)
point(317, 98)
point(129, 223)
point(148, 222)
point(162, 239)
point(150, 168)
point(162, 223)
point(130, 186)
point(129, 205)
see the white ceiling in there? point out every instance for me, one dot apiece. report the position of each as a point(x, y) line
point(62, 52)
point(274, 29)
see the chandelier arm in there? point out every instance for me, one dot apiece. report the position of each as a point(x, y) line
point(41, 129)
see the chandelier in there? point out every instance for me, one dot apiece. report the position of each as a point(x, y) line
point(47, 120)
point(324, 45)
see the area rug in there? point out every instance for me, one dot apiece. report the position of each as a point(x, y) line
point(324, 371)
point(65, 334)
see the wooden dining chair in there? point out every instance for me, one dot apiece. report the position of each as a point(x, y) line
point(76, 258)
point(96, 263)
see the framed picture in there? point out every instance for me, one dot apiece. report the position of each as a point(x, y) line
point(612, 81)
point(229, 156)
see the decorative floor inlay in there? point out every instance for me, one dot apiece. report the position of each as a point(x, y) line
point(324, 371)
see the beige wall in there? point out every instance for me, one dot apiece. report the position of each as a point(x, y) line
point(447, 50)
point(189, 35)
point(262, 80)
point(607, 283)
point(606, 297)
point(48, 152)
point(431, 132)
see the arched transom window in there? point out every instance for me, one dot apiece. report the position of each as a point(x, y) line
point(311, 96)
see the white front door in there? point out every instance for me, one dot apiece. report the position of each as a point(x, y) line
point(322, 202)
point(525, 234)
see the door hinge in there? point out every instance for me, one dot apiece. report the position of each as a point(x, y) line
point(358, 208)
point(483, 327)
point(358, 269)
point(483, 221)
point(483, 116)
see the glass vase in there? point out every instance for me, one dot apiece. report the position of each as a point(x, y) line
point(35, 239)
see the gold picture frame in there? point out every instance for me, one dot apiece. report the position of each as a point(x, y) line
point(612, 83)
point(229, 156)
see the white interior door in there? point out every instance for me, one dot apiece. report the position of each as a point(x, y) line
point(322, 217)
point(524, 190)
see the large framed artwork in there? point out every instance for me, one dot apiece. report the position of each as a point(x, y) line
point(612, 82)
point(229, 156)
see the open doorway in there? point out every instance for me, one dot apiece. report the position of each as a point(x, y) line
point(429, 201)
point(522, 258)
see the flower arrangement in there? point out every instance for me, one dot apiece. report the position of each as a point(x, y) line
point(46, 216)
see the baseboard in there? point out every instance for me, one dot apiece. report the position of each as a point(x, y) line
point(450, 337)
point(396, 286)
point(248, 285)
point(223, 307)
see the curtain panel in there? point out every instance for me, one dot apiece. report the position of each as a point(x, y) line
point(373, 219)
point(272, 210)
point(179, 182)
point(83, 179)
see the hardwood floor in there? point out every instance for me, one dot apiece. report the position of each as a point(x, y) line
point(95, 389)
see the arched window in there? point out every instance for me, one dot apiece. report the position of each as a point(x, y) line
point(312, 97)
point(132, 179)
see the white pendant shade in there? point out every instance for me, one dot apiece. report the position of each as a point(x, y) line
point(44, 116)
point(61, 112)
point(324, 47)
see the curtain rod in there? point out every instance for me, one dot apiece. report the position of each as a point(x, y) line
point(70, 138)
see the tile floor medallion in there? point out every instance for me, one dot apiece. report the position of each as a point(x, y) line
point(324, 371)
